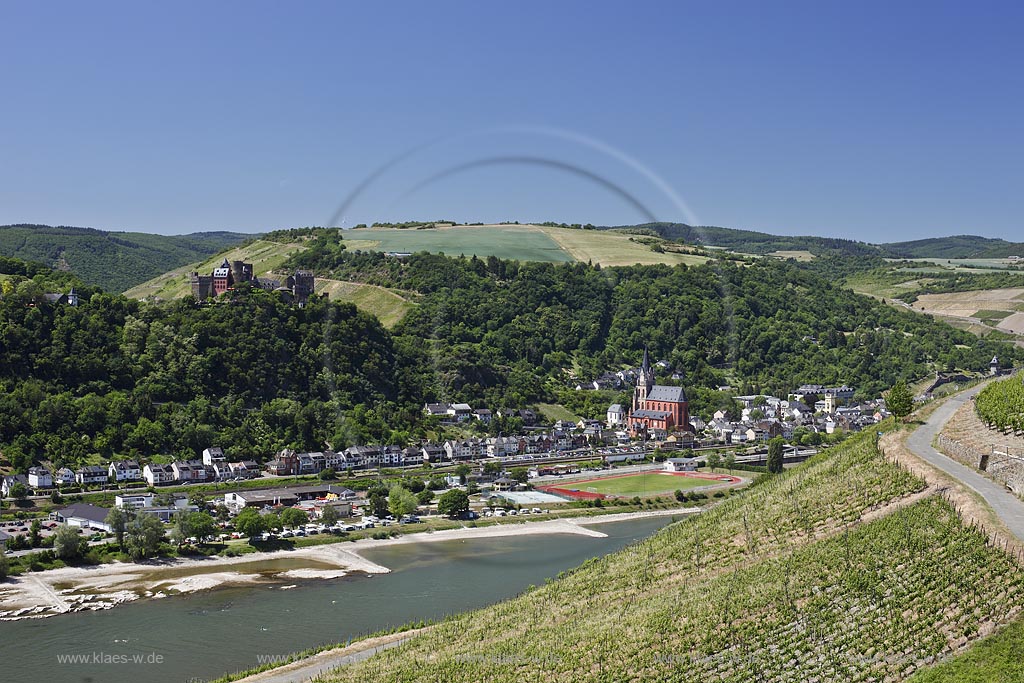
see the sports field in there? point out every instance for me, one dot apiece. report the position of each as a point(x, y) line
point(642, 484)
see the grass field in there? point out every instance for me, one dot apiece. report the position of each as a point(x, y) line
point(612, 248)
point(389, 306)
point(264, 256)
point(647, 483)
point(996, 659)
point(520, 242)
point(555, 411)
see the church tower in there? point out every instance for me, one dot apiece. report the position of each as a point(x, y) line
point(644, 382)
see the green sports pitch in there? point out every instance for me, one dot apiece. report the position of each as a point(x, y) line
point(648, 483)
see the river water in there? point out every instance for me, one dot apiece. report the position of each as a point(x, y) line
point(198, 637)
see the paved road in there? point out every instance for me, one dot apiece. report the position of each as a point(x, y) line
point(318, 665)
point(1007, 506)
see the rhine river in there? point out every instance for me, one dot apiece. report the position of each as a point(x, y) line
point(202, 636)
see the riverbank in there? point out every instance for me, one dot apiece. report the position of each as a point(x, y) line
point(76, 589)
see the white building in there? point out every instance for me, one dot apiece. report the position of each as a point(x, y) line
point(40, 478)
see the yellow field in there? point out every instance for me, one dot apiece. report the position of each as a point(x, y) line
point(609, 248)
point(264, 257)
point(1002, 309)
point(386, 304)
point(795, 255)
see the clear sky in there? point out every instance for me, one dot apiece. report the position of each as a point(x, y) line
point(877, 121)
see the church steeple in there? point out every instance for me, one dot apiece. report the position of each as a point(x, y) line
point(644, 382)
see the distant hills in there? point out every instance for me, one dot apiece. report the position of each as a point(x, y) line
point(752, 242)
point(956, 246)
point(114, 261)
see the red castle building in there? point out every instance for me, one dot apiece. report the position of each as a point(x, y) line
point(657, 407)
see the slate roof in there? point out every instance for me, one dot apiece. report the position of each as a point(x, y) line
point(662, 393)
point(653, 414)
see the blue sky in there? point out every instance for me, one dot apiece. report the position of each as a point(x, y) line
point(874, 121)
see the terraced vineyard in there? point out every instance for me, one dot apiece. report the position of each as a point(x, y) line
point(1001, 405)
point(830, 572)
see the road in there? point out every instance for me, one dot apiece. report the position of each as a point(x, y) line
point(310, 669)
point(1007, 506)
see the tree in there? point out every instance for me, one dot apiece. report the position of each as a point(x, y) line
point(463, 470)
point(198, 525)
point(492, 467)
point(378, 503)
point(401, 501)
point(774, 461)
point(56, 498)
point(294, 517)
point(729, 461)
point(327, 474)
point(714, 461)
point(425, 497)
point(19, 491)
point(222, 512)
point(117, 520)
point(520, 474)
point(198, 499)
point(249, 523)
point(143, 536)
point(34, 533)
point(899, 400)
point(67, 544)
point(329, 515)
point(453, 503)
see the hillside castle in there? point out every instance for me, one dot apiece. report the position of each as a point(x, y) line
point(229, 274)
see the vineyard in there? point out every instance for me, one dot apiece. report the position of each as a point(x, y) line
point(828, 572)
point(1001, 405)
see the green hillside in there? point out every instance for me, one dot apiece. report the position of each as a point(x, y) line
point(956, 247)
point(817, 574)
point(114, 261)
point(752, 242)
point(266, 256)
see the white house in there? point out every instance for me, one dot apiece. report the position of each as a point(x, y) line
point(40, 478)
point(91, 474)
point(681, 465)
point(616, 415)
point(155, 474)
point(124, 470)
point(64, 476)
point(213, 455)
point(8, 483)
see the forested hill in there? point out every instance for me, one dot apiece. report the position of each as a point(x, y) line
point(494, 330)
point(114, 261)
point(752, 242)
point(114, 376)
point(254, 374)
point(956, 246)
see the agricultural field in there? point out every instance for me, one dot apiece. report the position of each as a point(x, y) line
point(645, 484)
point(1001, 405)
point(795, 255)
point(264, 256)
point(556, 411)
point(832, 571)
point(1001, 309)
point(520, 242)
point(389, 306)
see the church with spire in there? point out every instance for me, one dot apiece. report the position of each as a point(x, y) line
point(655, 406)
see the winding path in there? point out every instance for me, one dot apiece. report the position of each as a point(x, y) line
point(1007, 506)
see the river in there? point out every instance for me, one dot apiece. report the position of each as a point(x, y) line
point(199, 637)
